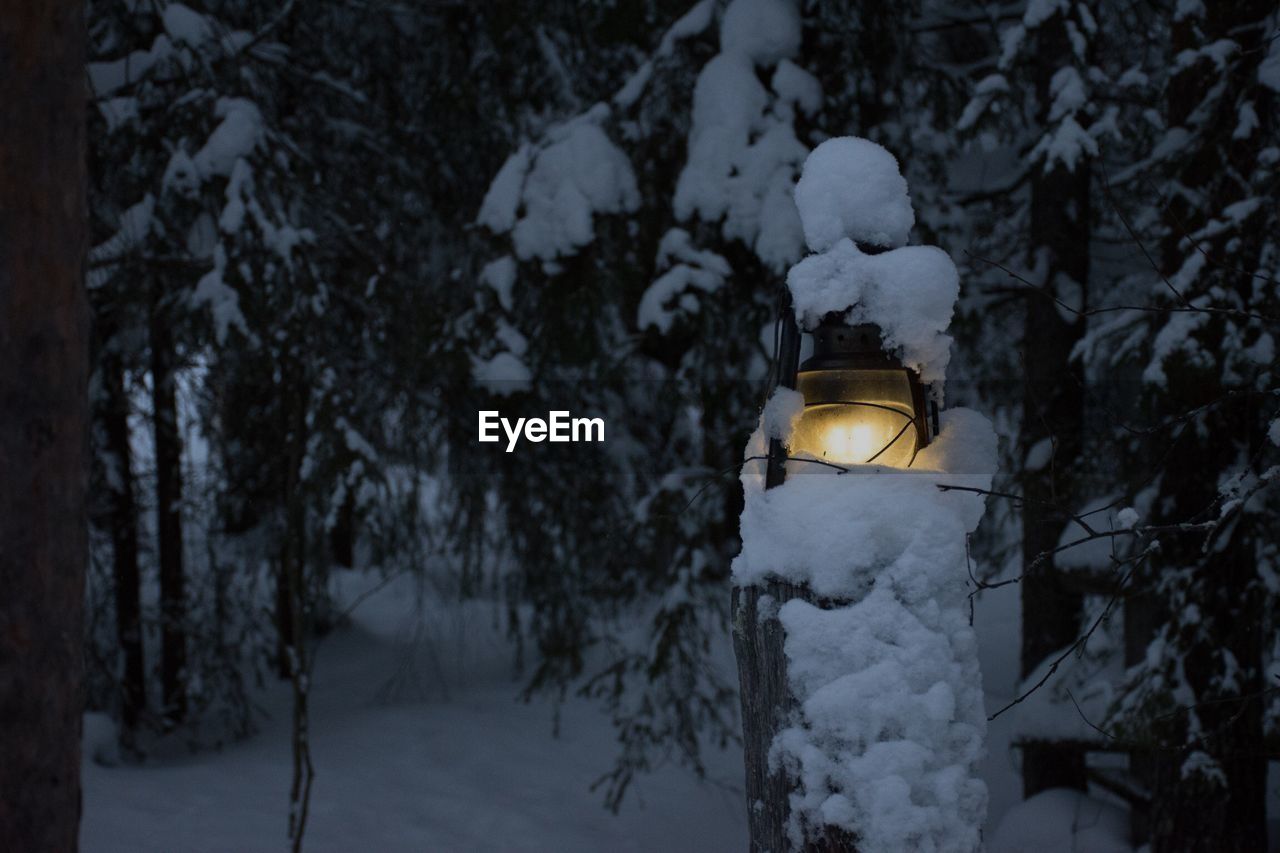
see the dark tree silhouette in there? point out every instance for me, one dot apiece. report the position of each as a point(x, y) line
point(43, 421)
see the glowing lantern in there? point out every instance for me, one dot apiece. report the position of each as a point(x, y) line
point(861, 405)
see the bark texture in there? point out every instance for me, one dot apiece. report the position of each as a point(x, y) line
point(767, 705)
point(43, 421)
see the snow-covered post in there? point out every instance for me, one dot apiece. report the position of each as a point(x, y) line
point(861, 694)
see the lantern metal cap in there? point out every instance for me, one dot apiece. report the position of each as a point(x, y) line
point(838, 346)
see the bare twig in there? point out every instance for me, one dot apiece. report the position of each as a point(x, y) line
point(1111, 309)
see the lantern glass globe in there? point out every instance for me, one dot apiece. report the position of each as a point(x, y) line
point(856, 417)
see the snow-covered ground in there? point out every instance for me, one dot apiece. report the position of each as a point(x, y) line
point(478, 771)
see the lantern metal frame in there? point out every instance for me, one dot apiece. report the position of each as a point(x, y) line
point(840, 346)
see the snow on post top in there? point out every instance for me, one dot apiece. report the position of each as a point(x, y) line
point(852, 198)
point(852, 188)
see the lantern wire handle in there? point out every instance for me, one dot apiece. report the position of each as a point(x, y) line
point(910, 422)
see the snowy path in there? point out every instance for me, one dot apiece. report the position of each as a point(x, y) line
point(480, 772)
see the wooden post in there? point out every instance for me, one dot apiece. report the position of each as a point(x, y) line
point(758, 638)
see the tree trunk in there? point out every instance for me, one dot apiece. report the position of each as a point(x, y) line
point(122, 516)
point(168, 442)
point(43, 421)
point(1053, 411)
point(759, 646)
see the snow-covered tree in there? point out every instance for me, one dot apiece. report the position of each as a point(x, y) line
point(1196, 695)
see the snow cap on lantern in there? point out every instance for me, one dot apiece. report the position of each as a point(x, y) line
point(853, 201)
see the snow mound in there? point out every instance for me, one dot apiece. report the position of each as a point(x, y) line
point(901, 773)
point(851, 187)
point(1062, 821)
point(909, 293)
point(837, 532)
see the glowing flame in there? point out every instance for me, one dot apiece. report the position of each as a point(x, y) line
point(852, 442)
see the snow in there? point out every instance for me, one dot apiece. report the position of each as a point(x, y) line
point(763, 31)
point(181, 175)
point(690, 24)
point(634, 87)
point(1067, 144)
point(240, 131)
point(743, 154)
point(500, 276)
point(106, 78)
point(728, 101)
point(901, 772)
point(503, 373)
point(1269, 68)
point(222, 301)
point(909, 293)
point(1039, 455)
point(579, 173)
point(987, 90)
point(136, 223)
point(688, 267)
point(420, 743)
point(117, 112)
point(1175, 337)
point(186, 26)
point(1062, 821)
point(784, 408)
point(851, 188)
point(498, 209)
point(796, 87)
point(837, 532)
point(1068, 92)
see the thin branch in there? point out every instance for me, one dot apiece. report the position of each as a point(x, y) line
point(1111, 309)
point(1080, 641)
point(1106, 186)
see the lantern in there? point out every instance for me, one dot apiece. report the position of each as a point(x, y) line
point(861, 405)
